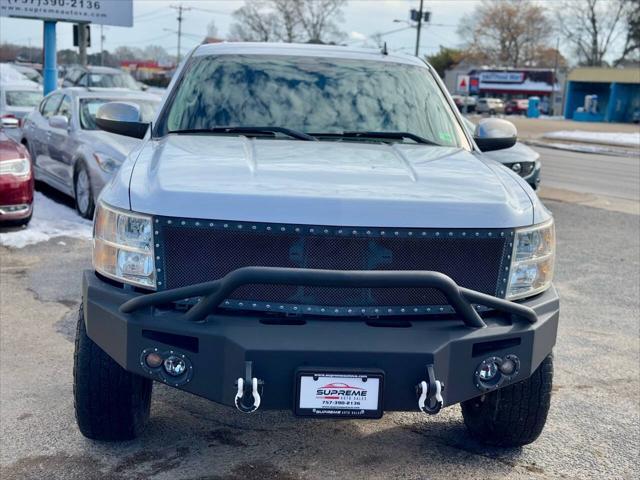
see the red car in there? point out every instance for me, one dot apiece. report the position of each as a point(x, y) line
point(16, 183)
point(516, 107)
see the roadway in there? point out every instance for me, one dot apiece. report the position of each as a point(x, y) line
point(597, 174)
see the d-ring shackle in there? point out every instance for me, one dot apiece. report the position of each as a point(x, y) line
point(430, 393)
point(247, 385)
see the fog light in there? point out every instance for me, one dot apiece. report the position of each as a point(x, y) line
point(516, 167)
point(175, 366)
point(153, 360)
point(487, 370)
point(508, 366)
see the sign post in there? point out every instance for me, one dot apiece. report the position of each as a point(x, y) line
point(462, 86)
point(50, 67)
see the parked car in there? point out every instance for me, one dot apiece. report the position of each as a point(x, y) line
point(29, 72)
point(520, 158)
point(69, 152)
point(16, 182)
point(17, 99)
point(311, 228)
point(99, 78)
point(460, 102)
point(516, 107)
point(490, 106)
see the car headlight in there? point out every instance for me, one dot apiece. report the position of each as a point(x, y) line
point(123, 246)
point(532, 260)
point(106, 163)
point(19, 167)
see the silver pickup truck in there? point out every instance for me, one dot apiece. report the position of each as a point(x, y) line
point(311, 228)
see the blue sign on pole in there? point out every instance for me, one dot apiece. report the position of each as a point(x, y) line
point(50, 68)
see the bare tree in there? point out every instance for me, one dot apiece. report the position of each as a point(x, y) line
point(254, 22)
point(506, 32)
point(212, 29)
point(319, 19)
point(631, 46)
point(288, 21)
point(591, 27)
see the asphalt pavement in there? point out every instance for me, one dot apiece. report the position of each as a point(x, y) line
point(593, 430)
point(611, 176)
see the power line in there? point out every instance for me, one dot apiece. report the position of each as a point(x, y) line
point(156, 16)
point(151, 14)
point(218, 12)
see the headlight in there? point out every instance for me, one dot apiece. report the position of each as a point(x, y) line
point(532, 260)
point(123, 246)
point(106, 163)
point(20, 167)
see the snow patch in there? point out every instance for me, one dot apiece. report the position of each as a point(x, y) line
point(608, 138)
point(50, 219)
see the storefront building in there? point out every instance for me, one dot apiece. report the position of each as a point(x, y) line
point(603, 95)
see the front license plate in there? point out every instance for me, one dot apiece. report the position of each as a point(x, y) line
point(326, 394)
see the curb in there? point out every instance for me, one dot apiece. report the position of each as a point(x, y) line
point(583, 148)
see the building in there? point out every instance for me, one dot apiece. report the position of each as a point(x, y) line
point(603, 94)
point(512, 83)
point(146, 70)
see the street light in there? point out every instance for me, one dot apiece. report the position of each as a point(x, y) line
point(411, 24)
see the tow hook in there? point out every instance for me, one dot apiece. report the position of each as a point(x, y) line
point(430, 393)
point(248, 387)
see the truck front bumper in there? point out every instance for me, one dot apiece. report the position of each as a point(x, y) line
point(218, 347)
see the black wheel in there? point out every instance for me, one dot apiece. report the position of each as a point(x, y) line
point(83, 193)
point(514, 415)
point(110, 403)
point(492, 112)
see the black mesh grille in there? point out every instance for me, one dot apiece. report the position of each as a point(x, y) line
point(192, 254)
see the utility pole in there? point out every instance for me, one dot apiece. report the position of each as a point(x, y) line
point(102, 45)
point(419, 27)
point(555, 79)
point(82, 43)
point(180, 9)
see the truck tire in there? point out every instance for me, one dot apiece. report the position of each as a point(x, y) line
point(515, 415)
point(110, 403)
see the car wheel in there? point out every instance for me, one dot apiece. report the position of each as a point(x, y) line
point(110, 403)
point(492, 112)
point(515, 415)
point(83, 192)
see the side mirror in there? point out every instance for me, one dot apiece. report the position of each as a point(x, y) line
point(121, 118)
point(9, 122)
point(495, 134)
point(59, 121)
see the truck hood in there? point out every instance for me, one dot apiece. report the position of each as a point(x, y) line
point(324, 183)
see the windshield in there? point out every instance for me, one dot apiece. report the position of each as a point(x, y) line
point(112, 80)
point(22, 98)
point(311, 95)
point(89, 108)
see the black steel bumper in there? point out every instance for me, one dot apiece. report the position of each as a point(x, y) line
point(218, 343)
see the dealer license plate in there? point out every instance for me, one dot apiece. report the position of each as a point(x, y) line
point(326, 394)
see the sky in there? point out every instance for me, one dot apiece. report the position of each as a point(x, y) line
point(155, 23)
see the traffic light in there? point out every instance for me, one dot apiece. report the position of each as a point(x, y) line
point(76, 42)
point(415, 15)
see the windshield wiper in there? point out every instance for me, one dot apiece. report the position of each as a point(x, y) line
point(248, 131)
point(380, 135)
